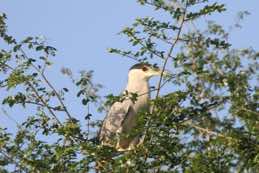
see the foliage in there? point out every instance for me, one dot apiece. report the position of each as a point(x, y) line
point(208, 124)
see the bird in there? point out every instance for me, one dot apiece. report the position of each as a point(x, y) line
point(122, 116)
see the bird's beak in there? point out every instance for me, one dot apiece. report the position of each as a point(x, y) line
point(165, 73)
point(159, 72)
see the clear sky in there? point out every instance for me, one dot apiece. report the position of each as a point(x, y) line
point(82, 31)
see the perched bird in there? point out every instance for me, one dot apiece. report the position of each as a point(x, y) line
point(122, 116)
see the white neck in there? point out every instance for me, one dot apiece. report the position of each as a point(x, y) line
point(138, 85)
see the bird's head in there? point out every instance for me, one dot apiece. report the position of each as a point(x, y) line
point(145, 71)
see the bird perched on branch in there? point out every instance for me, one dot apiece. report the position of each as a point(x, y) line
point(122, 116)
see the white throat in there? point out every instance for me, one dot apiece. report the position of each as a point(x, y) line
point(137, 84)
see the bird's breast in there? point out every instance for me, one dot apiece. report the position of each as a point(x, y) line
point(141, 103)
point(141, 88)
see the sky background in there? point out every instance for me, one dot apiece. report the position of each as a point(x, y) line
point(83, 30)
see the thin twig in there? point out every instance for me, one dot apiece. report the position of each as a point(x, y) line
point(39, 104)
point(171, 51)
point(163, 69)
point(50, 85)
point(128, 56)
point(16, 163)
point(10, 118)
point(142, 44)
point(58, 96)
point(38, 96)
point(43, 101)
point(206, 130)
point(250, 111)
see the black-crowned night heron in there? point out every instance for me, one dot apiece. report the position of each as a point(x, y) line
point(122, 116)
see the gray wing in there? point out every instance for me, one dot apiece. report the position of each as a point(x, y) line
point(113, 121)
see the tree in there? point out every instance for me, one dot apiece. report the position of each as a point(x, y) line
point(209, 124)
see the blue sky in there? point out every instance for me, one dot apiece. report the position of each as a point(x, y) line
point(83, 30)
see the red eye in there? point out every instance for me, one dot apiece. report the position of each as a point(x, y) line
point(144, 69)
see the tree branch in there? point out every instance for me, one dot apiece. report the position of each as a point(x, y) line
point(38, 96)
point(171, 50)
point(39, 104)
point(142, 44)
point(50, 85)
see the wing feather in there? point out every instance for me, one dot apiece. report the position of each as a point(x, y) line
point(113, 121)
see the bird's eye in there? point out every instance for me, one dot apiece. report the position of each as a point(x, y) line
point(144, 69)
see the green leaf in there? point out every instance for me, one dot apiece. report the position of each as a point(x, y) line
point(65, 89)
point(39, 48)
point(85, 101)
